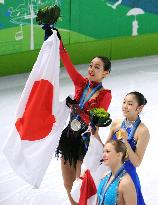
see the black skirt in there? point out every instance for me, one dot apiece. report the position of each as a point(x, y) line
point(72, 145)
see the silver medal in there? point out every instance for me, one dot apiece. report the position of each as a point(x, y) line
point(75, 125)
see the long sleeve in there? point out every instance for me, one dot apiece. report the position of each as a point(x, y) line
point(102, 101)
point(76, 77)
point(106, 101)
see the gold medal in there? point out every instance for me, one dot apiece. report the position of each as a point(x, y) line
point(75, 125)
point(119, 134)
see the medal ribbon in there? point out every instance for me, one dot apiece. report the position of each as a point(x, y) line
point(104, 189)
point(83, 98)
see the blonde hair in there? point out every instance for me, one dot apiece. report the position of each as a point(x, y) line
point(120, 146)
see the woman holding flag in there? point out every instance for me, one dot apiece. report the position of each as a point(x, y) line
point(89, 93)
point(41, 117)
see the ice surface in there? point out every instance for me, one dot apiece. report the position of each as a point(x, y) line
point(140, 74)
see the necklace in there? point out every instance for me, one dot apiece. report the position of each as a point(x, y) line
point(128, 124)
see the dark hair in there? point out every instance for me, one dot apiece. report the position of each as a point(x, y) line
point(119, 146)
point(106, 63)
point(139, 97)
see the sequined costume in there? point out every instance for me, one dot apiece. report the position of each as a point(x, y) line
point(71, 145)
point(129, 167)
point(108, 195)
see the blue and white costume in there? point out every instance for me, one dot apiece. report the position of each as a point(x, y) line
point(129, 167)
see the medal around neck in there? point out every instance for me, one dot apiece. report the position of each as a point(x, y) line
point(75, 125)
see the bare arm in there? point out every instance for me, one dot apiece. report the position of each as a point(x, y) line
point(114, 126)
point(143, 137)
point(127, 190)
point(112, 130)
point(96, 135)
point(142, 142)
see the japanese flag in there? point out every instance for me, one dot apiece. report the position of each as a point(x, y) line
point(40, 117)
point(84, 189)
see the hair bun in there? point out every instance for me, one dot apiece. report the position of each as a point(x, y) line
point(145, 101)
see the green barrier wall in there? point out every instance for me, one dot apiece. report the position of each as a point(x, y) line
point(88, 28)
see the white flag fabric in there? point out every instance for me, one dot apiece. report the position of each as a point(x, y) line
point(84, 190)
point(40, 117)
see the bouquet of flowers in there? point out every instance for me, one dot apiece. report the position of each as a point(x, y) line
point(99, 117)
point(48, 15)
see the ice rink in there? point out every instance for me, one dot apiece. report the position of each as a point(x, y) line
point(140, 74)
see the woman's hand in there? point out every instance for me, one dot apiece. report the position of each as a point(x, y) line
point(122, 134)
point(95, 133)
point(94, 130)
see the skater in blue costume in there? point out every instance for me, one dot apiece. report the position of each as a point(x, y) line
point(135, 136)
point(117, 186)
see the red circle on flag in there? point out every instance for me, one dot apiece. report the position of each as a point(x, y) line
point(37, 120)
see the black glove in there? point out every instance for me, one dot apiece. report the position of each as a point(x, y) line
point(58, 34)
point(48, 31)
point(70, 101)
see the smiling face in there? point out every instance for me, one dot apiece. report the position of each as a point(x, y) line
point(96, 70)
point(130, 107)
